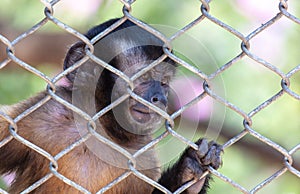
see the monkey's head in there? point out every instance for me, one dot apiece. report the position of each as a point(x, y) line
point(129, 49)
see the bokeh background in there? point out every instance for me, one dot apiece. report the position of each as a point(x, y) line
point(246, 84)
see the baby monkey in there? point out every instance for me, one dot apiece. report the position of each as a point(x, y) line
point(129, 124)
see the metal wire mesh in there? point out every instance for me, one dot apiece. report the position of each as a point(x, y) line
point(246, 118)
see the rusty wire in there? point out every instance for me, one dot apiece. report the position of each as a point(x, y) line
point(246, 118)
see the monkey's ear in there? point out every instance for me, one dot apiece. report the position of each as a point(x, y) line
point(75, 53)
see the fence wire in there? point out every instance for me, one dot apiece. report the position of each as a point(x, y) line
point(246, 118)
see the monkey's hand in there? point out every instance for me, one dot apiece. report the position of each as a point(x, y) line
point(191, 165)
point(196, 162)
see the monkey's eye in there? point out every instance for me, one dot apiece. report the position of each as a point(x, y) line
point(164, 82)
point(145, 76)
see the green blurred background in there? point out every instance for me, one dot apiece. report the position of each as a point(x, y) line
point(246, 84)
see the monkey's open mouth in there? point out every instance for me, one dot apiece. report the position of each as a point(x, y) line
point(141, 114)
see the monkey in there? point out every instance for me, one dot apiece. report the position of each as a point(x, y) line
point(129, 124)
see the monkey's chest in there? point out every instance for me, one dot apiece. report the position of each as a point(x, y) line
point(96, 171)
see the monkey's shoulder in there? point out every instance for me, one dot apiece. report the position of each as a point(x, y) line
point(47, 117)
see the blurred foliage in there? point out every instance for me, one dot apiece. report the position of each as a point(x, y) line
point(246, 84)
point(18, 84)
point(2, 184)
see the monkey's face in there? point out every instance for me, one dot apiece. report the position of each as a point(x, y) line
point(152, 91)
point(153, 86)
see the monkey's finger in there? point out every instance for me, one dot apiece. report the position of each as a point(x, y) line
point(213, 156)
point(202, 148)
point(207, 160)
point(217, 160)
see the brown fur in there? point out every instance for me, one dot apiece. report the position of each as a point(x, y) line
point(51, 128)
point(91, 88)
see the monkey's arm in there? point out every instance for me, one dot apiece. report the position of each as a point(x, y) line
point(42, 128)
point(191, 165)
point(14, 154)
point(11, 154)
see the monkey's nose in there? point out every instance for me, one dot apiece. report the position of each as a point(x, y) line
point(159, 99)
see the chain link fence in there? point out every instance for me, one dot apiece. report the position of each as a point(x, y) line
point(245, 118)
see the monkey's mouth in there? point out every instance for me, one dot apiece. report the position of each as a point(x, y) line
point(141, 114)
